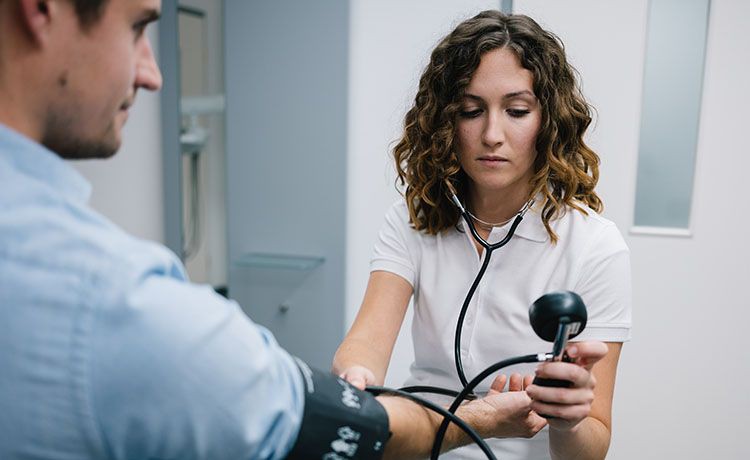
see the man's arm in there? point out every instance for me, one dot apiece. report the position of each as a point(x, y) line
point(497, 415)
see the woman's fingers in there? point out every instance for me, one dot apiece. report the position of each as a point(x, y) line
point(586, 354)
point(567, 406)
point(358, 376)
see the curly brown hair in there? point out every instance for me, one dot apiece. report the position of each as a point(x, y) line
point(566, 170)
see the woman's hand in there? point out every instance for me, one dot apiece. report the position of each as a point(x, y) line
point(568, 406)
point(358, 376)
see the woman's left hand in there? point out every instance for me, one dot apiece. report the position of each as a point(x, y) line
point(567, 407)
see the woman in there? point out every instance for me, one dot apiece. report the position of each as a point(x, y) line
point(498, 118)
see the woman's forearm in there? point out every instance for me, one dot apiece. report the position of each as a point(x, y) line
point(587, 441)
point(357, 352)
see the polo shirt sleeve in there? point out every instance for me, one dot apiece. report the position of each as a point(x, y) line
point(178, 371)
point(396, 246)
point(605, 286)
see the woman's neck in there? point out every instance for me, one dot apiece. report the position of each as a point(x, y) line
point(497, 207)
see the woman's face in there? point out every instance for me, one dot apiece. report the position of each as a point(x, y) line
point(497, 127)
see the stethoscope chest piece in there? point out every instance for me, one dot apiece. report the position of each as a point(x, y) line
point(546, 312)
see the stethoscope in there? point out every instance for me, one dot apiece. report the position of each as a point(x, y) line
point(555, 317)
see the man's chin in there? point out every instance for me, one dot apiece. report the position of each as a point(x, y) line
point(85, 150)
point(70, 146)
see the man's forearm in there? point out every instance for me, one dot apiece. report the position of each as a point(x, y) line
point(414, 428)
point(588, 441)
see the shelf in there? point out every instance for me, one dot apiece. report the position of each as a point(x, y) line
point(279, 261)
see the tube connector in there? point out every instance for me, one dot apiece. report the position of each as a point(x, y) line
point(545, 357)
point(454, 196)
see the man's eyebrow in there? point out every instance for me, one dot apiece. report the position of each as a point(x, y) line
point(150, 15)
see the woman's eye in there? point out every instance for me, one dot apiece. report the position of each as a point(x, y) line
point(518, 113)
point(470, 113)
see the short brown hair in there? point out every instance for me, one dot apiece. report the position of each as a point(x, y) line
point(89, 11)
point(566, 170)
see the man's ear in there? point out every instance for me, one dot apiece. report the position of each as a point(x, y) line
point(36, 18)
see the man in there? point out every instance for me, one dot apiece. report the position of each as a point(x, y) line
point(106, 351)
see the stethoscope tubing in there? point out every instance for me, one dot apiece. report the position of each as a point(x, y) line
point(447, 417)
point(468, 390)
point(489, 248)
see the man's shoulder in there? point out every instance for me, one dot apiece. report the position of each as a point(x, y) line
point(56, 235)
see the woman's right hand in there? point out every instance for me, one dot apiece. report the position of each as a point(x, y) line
point(358, 376)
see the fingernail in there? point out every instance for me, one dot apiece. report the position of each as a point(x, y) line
point(573, 351)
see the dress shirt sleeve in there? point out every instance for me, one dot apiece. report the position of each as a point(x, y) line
point(178, 371)
point(394, 248)
point(604, 284)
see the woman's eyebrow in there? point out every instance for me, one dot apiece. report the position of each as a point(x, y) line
point(473, 97)
point(524, 92)
point(506, 96)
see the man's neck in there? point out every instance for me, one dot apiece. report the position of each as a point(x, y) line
point(15, 118)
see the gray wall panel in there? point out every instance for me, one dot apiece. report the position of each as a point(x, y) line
point(286, 85)
point(170, 125)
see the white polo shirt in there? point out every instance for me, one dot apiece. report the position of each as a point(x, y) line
point(590, 258)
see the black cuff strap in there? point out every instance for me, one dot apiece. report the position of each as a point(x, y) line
point(339, 422)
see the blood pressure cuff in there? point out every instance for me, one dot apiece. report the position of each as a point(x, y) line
point(339, 422)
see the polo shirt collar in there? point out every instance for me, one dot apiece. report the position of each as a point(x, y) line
point(37, 162)
point(531, 227)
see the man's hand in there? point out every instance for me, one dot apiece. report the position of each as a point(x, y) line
point(569, 406)
point(505, 414)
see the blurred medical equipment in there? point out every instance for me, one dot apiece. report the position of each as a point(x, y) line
point(193, 140)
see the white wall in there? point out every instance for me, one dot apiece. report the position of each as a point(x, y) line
point(681, 383)
point(128, 188)
point(390, 45)
point(680, 391)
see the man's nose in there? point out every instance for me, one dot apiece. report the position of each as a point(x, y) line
point(147, 75)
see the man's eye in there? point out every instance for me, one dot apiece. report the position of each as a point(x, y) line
point(139, 28)
point(470, 113)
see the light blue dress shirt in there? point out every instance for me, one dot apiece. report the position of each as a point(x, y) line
point(107, 351)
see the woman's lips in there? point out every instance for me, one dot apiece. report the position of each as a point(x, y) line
point(492, 161)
